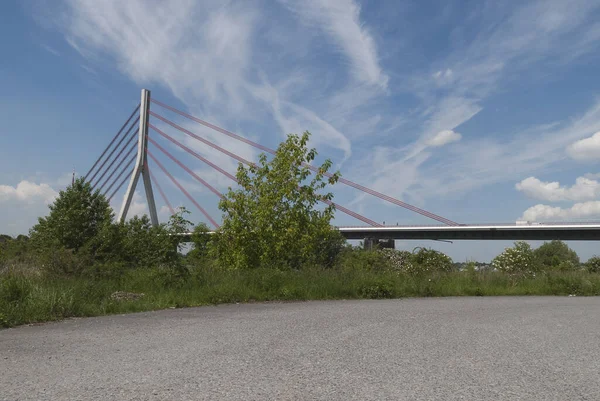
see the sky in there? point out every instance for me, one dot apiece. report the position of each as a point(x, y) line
point(478, 111)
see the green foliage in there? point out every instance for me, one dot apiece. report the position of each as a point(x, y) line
point(272, 220)
point(14, 249)
point(556, 255)
point(518, 260)
point(379, 288)
point(358, 258)
point(426, 260)
point(593, 264)
point(201, 243)
point(77, 215)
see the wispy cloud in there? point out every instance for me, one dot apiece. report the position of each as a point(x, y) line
point(341, 20)
point(587, 149)
point(50, 49)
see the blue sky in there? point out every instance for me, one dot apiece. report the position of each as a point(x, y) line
point(479, 111)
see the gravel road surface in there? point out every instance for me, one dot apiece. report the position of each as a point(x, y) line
point(521, 348)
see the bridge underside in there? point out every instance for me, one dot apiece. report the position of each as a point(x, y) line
point(514, 233)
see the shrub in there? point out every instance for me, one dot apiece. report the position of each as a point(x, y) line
point(426, 260)
point(556, 255)
point(272, 220)
point(401, 261)
point(593, 264)
point(516, 260)
point(76, 216)
point(360, 259)
point(378, 289)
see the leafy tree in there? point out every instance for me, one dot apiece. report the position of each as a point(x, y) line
point(77, 215)
point(427, 260)
point(11, 249)
point(517, 260)
point(272, 220)
point(201, 242)
point(556, 255)
point(593, 264)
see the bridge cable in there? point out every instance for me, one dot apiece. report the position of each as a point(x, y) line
point(125, 169)
point(113, 140)
point(125, 157)
point(186, 193)
point(129, 132)
point(190, 172)
point(132, 148)
point(311, 167)
point(241, 160)
point(162, 193)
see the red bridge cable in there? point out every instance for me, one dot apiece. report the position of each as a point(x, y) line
point(131, 149)
point(190, 172)
point(162, 193)
point(212, 145)
point(118, 187)
point(125, 157)
point(126, 168)
point(129, 131)
point(190, 151)
point(241, 160)
point(314, 169)
point(113, 140)
point(186, 193)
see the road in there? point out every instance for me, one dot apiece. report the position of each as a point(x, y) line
point(521, 348)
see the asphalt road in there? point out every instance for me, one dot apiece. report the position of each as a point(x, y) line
point(534, 348)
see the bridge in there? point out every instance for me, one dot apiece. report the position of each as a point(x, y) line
point(127, 156)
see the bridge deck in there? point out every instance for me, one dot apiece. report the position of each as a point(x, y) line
point(560, 231)
point(545, 232)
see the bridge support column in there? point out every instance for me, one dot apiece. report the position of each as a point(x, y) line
point(375, 243)
point(141, 165)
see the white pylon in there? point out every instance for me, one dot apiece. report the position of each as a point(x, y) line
point(141, 165)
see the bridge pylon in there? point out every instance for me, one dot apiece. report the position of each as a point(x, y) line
point(141, 165)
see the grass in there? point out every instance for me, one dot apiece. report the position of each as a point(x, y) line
point(27, 296)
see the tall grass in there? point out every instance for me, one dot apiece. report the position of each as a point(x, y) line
point(27, 296)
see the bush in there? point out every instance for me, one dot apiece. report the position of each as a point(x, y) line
point(401, 261)
point(76, 216)
point(272, 220)
point(556, 255)
point(518, 260)
point(593, 264)
point(426, 260)
point(351, 258)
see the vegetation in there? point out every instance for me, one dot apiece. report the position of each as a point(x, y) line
point(272, 220)
point(275, 244)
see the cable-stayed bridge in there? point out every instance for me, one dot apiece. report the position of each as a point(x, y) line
point(138, 141)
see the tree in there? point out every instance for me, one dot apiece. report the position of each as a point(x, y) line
point(517, 260)
point(201, 240)
point(272, 220)
point(77, 215)
point(556, 255)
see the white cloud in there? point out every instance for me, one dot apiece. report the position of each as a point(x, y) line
point(444, 137)
point(23, 204)
point(28, 192)
point(584, 210)
point(587, 149)
point(341, 20)
point(583, 189)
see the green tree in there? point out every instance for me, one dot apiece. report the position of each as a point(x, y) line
point(77, 215)
point(201, 241)
point(556, 255)
point(518, 260)
point(593, 264)
point(272, 220)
